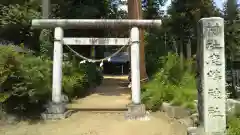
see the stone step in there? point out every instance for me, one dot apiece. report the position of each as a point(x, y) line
point(97, 110)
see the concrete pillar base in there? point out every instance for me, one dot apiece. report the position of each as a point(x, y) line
point(135, 112)
point(55, 111)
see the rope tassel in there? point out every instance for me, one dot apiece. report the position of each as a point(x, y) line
point(101, 64)
point(83, 61)
point(109, 59)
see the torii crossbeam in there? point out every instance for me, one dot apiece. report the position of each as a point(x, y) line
point(94, 23)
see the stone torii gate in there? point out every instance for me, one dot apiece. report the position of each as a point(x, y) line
point(56, 109)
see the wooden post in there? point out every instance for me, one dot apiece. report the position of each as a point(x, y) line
point(135, 12)
point(45, 9)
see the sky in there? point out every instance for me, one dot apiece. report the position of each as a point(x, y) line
point(219, 4)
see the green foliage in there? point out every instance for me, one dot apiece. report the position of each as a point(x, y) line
point(77, 79)
point(171, 84)
point(16, 16)
point(233, 122)
point(15, 22)
point(154, 93)
point(232, 42)
point(8, 60)
point(153, 8)
point(233, 126)
point(27, 79)
point(154, 49)
point(32, 73)
point(183, 19)
point(26, 74)
point(231, 13)
point(93, 74)
point(46, 42)
point(74, 82)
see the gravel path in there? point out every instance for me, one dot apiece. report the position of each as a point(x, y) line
point(91, 120)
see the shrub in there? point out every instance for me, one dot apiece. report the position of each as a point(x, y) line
point(93, 74)
point(152, 96)
point(34, 78)
point(233, 126)
point(28, 76)
point(74, 80)
point(26, 79)
point(171, 84)
point(9, 60)
point(233, 122)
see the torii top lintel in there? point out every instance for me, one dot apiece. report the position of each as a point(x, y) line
point(94, 23)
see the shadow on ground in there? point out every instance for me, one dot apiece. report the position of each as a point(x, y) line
point(113, 86)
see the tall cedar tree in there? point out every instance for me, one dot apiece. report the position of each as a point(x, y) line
point(185, 15)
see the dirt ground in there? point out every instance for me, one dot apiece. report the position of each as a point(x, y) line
point(101, 113)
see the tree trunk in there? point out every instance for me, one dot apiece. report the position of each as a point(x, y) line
point(189, 53)
point(46, 9)
point(233, 91)
point(189, 50)
point(181, 53)
point(135, 12)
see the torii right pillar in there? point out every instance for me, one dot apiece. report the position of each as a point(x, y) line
point(136, 110)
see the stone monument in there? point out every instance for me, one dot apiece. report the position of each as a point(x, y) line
point(211, 78)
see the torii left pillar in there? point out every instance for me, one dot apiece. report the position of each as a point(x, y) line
point(56, 108)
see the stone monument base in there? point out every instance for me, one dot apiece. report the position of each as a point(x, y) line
point(200, 131)
point(135, 111)
point(195, 131)
point(55, 111)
